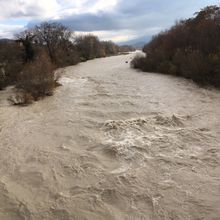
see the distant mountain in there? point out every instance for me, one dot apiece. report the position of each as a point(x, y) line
point(137, 43)
point(5, 40)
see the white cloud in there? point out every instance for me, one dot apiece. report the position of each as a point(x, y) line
point(69, 7)
point(38, 10)
point(122, 35)
point(43, 9)
point(28, 8)
point(103, 5)
point(116, 36)
point(7, 31)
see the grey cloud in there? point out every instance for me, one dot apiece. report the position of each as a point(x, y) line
point(135, 15)
point(92, 22)
point(130, 14)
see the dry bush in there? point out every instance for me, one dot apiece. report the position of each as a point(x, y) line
point(37, 78)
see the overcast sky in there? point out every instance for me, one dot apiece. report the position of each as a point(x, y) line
point(117, 20)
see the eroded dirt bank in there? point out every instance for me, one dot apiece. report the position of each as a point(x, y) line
point(112, 143)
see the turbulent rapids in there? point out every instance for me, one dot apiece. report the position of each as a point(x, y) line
point(112, 143)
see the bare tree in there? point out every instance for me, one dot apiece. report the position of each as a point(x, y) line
point(53, 36)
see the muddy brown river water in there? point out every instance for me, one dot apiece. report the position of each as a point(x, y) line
point(112, 144)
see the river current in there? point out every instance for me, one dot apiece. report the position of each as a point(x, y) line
point(112, 143)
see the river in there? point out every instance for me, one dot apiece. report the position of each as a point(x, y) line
point(112, 143)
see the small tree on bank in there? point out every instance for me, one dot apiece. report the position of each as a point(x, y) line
point(35, 81)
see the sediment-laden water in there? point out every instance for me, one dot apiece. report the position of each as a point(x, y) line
point(112, 143)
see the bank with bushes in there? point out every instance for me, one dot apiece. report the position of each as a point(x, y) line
point(189, 49)
point(29, 61)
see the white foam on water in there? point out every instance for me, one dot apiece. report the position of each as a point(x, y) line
point(75, 81)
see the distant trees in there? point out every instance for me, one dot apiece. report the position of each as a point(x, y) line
point(190, 49)
point(126, 48)
point(110, 48)
point(88, 46)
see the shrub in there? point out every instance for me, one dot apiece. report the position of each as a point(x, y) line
point(138, 62)
point(37, 78)
point(90, 47)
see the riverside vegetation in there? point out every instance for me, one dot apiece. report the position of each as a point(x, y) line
point(29, 61)
point(190, 49)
